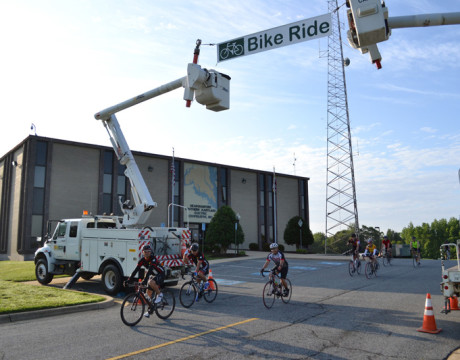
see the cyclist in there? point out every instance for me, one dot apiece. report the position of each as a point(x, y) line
point(386, 243)
point(202, 267)
point(371, 251)
point(354, 242)
point(281, 265)
point(154, 282)
point(446, 251)
point(415, 249)
point(185, 258)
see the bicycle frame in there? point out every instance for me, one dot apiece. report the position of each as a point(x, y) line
point(274, 289)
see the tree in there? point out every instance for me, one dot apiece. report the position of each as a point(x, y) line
point(318, 243)
point(292, 233)
point(221, 230)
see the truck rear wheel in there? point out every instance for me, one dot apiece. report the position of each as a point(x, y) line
point(111, 280)
point(41, 272)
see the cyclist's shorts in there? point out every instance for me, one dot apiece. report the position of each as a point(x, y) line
point(204, 270)
point(159, 279)
point(283, 272)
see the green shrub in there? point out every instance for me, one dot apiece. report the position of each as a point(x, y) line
point(281, 247)
point(301, 251)
point(253, 246)
point(266, 247)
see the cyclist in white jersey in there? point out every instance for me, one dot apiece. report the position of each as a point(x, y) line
point(281, 265)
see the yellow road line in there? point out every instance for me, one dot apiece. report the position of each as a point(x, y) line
point(180, 340)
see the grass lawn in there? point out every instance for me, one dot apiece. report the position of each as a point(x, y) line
point(16, 296)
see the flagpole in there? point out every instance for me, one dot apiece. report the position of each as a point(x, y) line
point(173, 183)
point(274, 203)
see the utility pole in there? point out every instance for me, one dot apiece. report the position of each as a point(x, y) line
point(341, 204)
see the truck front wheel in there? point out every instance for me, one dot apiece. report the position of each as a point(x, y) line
point(111, 280)
point(41, 272)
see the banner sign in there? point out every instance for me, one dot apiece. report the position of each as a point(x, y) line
point(280, 36)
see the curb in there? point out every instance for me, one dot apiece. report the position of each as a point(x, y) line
point(36, 314)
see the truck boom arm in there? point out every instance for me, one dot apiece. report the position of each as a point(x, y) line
point(212, 90)
point(143, 202)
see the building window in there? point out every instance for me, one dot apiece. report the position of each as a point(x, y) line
point(38, 191)
point(270, 208)
point(121, 187)
point(113, 183)
point(302, 200)
point(261, 182)
point(223, 186)
point(107, 183)
point(175, 178)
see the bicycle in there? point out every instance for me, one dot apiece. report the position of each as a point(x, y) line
point(274, 289)
point(386, 258)
point(189, 290)
point(354, 267)
point(415, 254)
point(134, 304)
point(371, 268)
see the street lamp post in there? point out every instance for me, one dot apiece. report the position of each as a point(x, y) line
point(300, 223)
point(236, 228)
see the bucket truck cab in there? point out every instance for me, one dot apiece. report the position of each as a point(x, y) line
point(95, 246)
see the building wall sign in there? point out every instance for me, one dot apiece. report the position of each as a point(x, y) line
point(200, 192)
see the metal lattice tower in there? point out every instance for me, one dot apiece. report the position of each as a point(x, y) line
point(341, 205)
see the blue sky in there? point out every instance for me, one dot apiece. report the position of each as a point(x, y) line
point(63, 61)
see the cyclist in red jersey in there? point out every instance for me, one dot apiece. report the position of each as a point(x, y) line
point(386, 244)
point(154, 282)
point(202, 267)
point(354, 242)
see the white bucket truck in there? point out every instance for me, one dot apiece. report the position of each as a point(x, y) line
point(111, 245)
point(450, 277)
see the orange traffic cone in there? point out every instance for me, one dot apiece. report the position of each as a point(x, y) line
point(429, 323)
point(453, 303)
point(211, 283)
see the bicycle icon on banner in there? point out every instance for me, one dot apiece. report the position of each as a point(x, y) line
point(232, 48)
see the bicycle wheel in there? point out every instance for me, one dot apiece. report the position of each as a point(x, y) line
point(368, 270)
point(385, 260)
point(358, 266)
point(288, 297)
point(187, 294)
point(211, 293)
point(132, 309)
point(268, 296)
point(351, 268)
point(376, 267)
point(414, 260)
point(167, 305)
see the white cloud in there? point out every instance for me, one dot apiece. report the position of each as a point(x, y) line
point(428, 130)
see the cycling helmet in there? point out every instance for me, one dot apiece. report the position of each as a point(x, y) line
point(413, 238)
point(353, 235)
point(369, 241)
point(273, 246)
point(194, 247)
point(385, 237)
point(146, 248)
